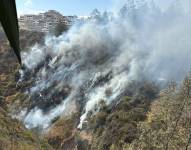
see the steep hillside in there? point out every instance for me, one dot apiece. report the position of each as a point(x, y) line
point(96, 89)
point(13, 135)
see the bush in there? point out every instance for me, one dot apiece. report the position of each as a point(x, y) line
point(60, 28)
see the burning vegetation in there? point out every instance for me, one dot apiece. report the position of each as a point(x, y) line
point(102, 85)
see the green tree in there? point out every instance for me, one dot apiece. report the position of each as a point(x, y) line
point(60, 28)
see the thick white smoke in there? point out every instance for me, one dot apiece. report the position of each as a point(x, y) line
point(105, 54)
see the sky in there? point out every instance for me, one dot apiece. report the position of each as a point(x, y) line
point(66, 7)
point(80, 7)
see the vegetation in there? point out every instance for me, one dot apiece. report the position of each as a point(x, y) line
point(62, 133)
point(60, 28)
point(168, 124)
point(146, 121)
point(28, 38)
point(113, 127)
point(143, 119)
point(13, 135)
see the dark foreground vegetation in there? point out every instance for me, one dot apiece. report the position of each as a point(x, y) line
point(13, 135)
point(162, 124)
point(144, 118)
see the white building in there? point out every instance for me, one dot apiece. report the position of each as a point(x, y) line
point(45, 22)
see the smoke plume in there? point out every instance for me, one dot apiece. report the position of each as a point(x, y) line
point(96, 60)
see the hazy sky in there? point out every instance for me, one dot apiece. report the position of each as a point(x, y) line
point(66, 7)
point(81, 7)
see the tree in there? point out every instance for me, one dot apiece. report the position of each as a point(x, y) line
point(60, 28)
point(168, 124)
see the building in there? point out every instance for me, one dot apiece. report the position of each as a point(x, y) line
point(45, 22)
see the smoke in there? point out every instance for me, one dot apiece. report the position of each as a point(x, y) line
point(96, 60)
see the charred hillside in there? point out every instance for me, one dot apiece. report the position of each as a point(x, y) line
point(13, 134)
point(118, 81)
